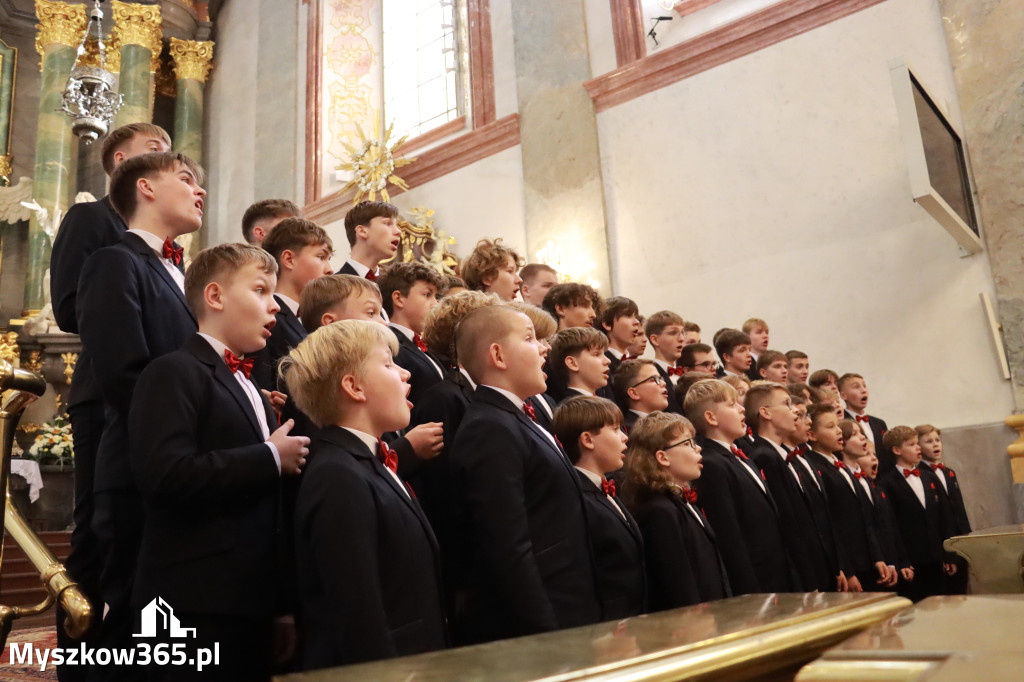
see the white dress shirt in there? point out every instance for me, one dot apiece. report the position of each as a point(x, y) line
point(581, 391)
point(292, 304)
point(157, 245)
point(782, 453)
point(252, 393)
point(410, 334)
point(749, 470)
point(863, 482)
point(519, 402)
point(371, 443)
point(597, 481)
point(916, 484)
point(814, 475)
point(942, 476)
point(865, 427)
point(845, 472)
point(616, 352)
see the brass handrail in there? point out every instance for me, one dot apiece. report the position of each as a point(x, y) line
point(21, 388)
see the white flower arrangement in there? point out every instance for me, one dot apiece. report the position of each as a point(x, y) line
point(53, 444)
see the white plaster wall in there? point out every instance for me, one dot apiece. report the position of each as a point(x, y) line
point(505, 100)
point(481, 200)
point(600, 37)
point(775, 186)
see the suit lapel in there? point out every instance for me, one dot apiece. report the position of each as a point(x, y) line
point(535, 430)
point(142, 248)
point(615, 507)
point(292, 322)
point(227, 379)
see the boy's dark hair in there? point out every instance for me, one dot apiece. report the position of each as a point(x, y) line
point(266, 208)
point(612, 309)
point(657, 322)
point(530, 271)
point(897, 436)
point(765, 359)
point(795, 388)
point(126, 176)
point(727, 340)
point(688, 358)
point(568, 295)
point(118, 137)
point(570, 342)
point(817, 411)
point(222, 260)
point(487, 258)
point(401, 277)
point(294, 234)
point(691, 327)
point(847, 377)
point(756, 398)
point(792, 355)
point(579, 415)
point(688, 379)
point(820, 377)
point(451, 281)
point(624, 377)
point(365, 211)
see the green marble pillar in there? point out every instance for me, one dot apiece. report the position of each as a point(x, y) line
point(54, 178)
point(134, 84)
point(188, 118)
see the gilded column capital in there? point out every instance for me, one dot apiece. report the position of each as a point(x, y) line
point(5, 166)
point(59, 23)
point(192, 58)
point(138, 25)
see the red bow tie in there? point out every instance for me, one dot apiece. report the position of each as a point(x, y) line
point(793, 454)
point(371, 275)
point(859, 475)
point(675, 371)
point(907, 473)
point(690, 494)
point(736, 451)
point(608, 486)
point(940, 466)
point(839, 465)
point(420, 343)
point(236, 363)
point(750, 432)
point(627, 356)
point(528, 409)
point(862, 418)
point(173, 252)
point(387, 456)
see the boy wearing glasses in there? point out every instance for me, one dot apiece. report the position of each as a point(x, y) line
point(698, 357)
point(639, 389)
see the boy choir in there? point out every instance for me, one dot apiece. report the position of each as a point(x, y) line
point(346, 462)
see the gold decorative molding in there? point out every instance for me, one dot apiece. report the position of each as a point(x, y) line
point(9, 351)
point(69, 364)
point(192, 58)
point(59, 24)
point(5, 165)
point(34, 363)
point(138, 25)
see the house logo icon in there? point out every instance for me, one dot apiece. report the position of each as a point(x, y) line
point(158, 616)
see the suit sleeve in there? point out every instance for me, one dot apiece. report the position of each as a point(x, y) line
point(715, 495)
point(341, 528)
point(110, 324)
point(668, 565)
point(77, 238)
point(163, 435)
point(490, 468)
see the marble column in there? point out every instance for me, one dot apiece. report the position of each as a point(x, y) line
point(59, 32)
point(137, 30)
point(565, 212)
point(191, 67)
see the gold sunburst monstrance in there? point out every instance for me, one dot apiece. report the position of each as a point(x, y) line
point(373, 164)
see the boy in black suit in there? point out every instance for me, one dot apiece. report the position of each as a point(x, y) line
point(589, 429)
point(639, 389)
point(957, 523)
point(734, 494)
point(733, 347)
point(131, 309)
point(757, 330)
point(85, 228)
point(303, 252)
point(572, 304)
point(208, 457)
point(544, 326)
point(373, 235)
point(578, 363)
point(493, 269)
point(618, 320)
point(697, 357)
point(538, 278)
point(917, 509)
point(261, 217)
point(853, 390)
point(770, 412)
point(772, 365)
point(664, 330)
point(409, 293)
point(684, 565)
point(529, 564)
point(824, 379)
point(691, 333)
point(368, 564)
point(799, 366)
point(865, 564)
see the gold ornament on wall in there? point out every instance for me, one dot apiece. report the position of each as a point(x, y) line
point(9, 351)
point(138, 25)
point(192, 58)
point(422, 243)
point(373, 164)
point(34, 363)
point(59, 24)
point(69, 364)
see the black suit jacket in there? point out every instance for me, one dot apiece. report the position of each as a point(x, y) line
point(952, 499)
point(673, 404)
point(530, 568)
point(130, 312)
point(287, 333)
point(85, 228)
point(368, 564)
point(629, 420)
point(889, 539)
point(347, 269)
point(210, 486)
point(684, 566)
point(423, 370)
point(919, 526)
point(814, 492)
point(811, 562)
point(886, 460)
point(618, 550)
point(746, 521)
point(854, 531)
point(540, 413)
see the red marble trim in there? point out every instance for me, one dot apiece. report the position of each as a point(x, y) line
point(628, 30)
point(458, 153)
point(314, 49)
point(684, 7)
point(432, 136)
point(481, 62)
point(732, 41)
